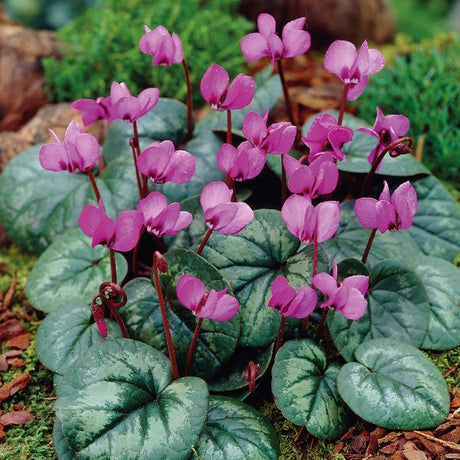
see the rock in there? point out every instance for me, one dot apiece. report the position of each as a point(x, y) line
point(328, 20)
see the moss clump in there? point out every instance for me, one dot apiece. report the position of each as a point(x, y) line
point(448, 361)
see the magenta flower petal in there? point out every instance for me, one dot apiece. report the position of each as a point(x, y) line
point(184, 220)
point(340, 55)
point(327, 175)
point(226, 157)
point(215, 193)
point(376, 61)
point(181, 167)
point(190, 291)
point(266, 24)
point(294, 212)
point(90, 218)
point(355, 305)
point(296, 41)
point(240, 93)
point(356, 91)
point(302, 181)
point(147, 98)
point(255, 127)
point(385, 216)
point(225, 308)
point(214, 84)
point(53, 157)
point(359, 282)
point(280, 138)
point(229, 218)
point(127, 230)
point(105, 232)
point(366, 212)
point(303, 304)
point(152, 204)
point(404, 199)
point(178, 50)
point(327, 285)
point(290, 165)
point(328, 216)
point(91, 110)
point(254, 46)
point(282, 293)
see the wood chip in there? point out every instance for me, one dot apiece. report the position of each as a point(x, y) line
point(452, 436)
point(20, 417)
point(6, 356)
point(390, 448)
point(17, 384)
point(10, 328)
point(2, 435)
point(431, 447)
point(450, 445)
point(10, 293)
point(17, 363)
point(455, 403)
point(390, 437)
point(21, 341)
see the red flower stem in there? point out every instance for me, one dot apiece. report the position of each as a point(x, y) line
point(287, 100)
point(113, 267)
point(139, 185)
point(117, 317)
point(191, 350)
point(319, 331)
point(136, 252)
point(205, 240)
point(379, 158)
point(228, 180)
point(137, 147)
point(279, 339)
point(93, 184)
point(189, 101)
point(368, 246)
point(164, 316)
point(343, 103)
point(284, 188)
point(303, 327)
point(101, 163)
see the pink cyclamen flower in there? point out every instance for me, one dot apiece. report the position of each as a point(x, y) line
point(220, 213)
point(165, 49)
point(394, 212)
point(319, 178)
point(386, 129)
point(129, 108)
point(353, 67)
point(293, 42)
point(159, 218)
point(121, 235)
point(93, 110)
point(276, 139)
point(220, 95)
point(292, 303)
point(347, 296)
point(241, 163)
point(78, 152)
point(325, 135)
point(161, 163)
point(310, 223)
point(215, 305)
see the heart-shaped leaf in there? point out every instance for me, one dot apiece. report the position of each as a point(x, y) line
point(70, 270)
point(305, 389)
point(442, 283)
point(142, 315)
point(167, 120)
point(398, 307)
point(268, 91)
point(118, 401)
point(436, 224)
point(236, 431)
point(67, 333)
point(395, 386)
point(204, 148)
point(60, 444)
point(233, 375)
point(38, 205)
point(251, 260)
point(359, 148)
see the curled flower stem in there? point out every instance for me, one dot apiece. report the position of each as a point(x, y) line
point(368, 246)
point(117, 317)
point(113, 267)
point(191, 350)
point(279, 339)
point(379, 158)
point(205, 240)
point(164, 317)
point(189, 101)
point(93, 184)
point(343, 104)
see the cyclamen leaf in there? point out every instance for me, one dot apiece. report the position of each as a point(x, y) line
point(251, 260)
point(395, 386)
point(398, 307)
point(442, 282)
point(236, 431)
point(60, 444)
point(67, 333)
point(37, 205)
point(305, 389)
point(70, 270)
point(118, 401)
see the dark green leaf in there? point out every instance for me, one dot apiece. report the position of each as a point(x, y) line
point(60, 444)
point(166, 121)
point(398, 307)
point(70, 270)
point(38, 205)
point(235, 431)
point(251, 260)
point(118, 401)
point(442, 283)
point(305, 389)
point(395, 386)
point(67, 333)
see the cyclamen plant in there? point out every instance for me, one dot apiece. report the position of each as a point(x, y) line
point(217, 293)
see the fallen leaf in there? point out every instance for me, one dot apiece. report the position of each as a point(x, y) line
point(20, 417)
point(10, 388)
point(10, 329)
point(21, 341)
point(5, 356)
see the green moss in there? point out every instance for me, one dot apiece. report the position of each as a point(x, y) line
point(445, 361)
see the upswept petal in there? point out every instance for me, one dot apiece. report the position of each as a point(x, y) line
point(399, 124)
point(275, 46)
point(105, 232)
point(88, 150)
point(255, 127)
point(118, 91)
point(354, 91)
point(327, 285)
point(376, 61)
point(126, 109)
point(282, 293)
point(303, 304)
point(226, 157)
point(266, 24)
point(385, 195)
point(362, 61)
point(240, 93)
point(90, 218)
point(385, 216)
point(340, 54)
point(53, 157)
point(293, 214)
point(181, 167)
point(290, 164)
point(295, 42)
point(328, 218)
point(226, 308)
point(327, 175)
point(254, 47)
point(148, 99)
point(214, 84)
point(337, 137)
point(366, 212)
point(355, 305)
point(242, 216)
point(154, 160)
point(404, 199)
point(318, 132)
point(280, 139)
point(359, 282)
point(127, 230)
point(152, 204)
point(184, 220)
point(165, 221)
point(302, 181)
point(219, 216)
point(178, 50)
point(215, 193)
point(190, 291)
